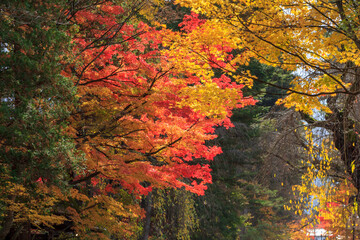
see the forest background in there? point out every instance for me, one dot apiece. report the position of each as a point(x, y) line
point(179, 119)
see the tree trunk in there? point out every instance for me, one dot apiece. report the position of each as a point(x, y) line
point(7, 224)
point(147, 221)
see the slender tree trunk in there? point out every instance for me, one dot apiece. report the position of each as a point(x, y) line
point(148, 203)
point(17, 233)
point(7, 224)
point(354, 228)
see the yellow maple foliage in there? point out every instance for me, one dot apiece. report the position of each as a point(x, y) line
point(315, 36)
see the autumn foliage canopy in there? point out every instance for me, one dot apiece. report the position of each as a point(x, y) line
point(101, 106)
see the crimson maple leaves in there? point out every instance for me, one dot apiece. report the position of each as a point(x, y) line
point(136, 122)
